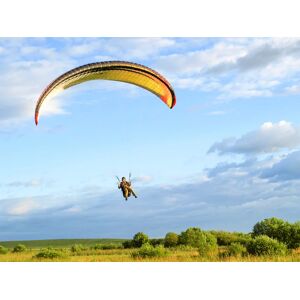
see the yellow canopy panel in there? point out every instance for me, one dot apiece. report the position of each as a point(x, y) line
point(128, 72)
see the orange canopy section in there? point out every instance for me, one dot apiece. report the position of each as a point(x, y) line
point(128, 72)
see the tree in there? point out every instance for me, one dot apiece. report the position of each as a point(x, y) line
point(193, 236)
point(156, 242)
point(295, 236)
point(280, 230)
point(171, 239)
point(139, 239)
point(197, 238)
point(264, 245)
point(127, 244)
point(273, 227)
point(225, 238)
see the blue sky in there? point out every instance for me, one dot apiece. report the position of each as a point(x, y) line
point(225, 157)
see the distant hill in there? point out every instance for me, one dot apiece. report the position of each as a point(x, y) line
point(60, 243)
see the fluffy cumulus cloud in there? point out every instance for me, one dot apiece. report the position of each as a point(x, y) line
point(26, 70)
point(236, 68)
point(287, 168)
point(268, 138)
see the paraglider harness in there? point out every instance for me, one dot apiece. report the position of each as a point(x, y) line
point(125, 186)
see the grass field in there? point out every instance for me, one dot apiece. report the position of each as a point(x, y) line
point(125, 255)
point(60, 243)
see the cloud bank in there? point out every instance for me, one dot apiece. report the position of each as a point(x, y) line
point(270, 137)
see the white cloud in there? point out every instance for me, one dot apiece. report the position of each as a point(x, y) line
point(142, 179)
point(287, 168)
point(22, 82)
point(137, 48)
point(22, 207)
point(270, 137)
point(236, 68)
point(293, 89)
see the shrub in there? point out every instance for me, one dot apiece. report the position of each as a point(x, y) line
point(128, 244)
point(19, 248)
point(171, 239)
point(210, 246)
point(3, 250)
point(140, 239)
point(236, 249)
point(225, 238)
point(156, 242)
point(148, 250)
point(273, 228)
point(50, 253)
point(244, 239)
point(111, 246)
point(264, 245)
point(195, 237)
point(97, 247)
point(78, 248)
point(294, 236)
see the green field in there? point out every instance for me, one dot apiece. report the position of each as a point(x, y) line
point(125, 255)
point(60, 243)
point(271, 239)
point(88, 253)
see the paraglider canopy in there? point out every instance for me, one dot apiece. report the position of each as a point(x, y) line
point(128, 72)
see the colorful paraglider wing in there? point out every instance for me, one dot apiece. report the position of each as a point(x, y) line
point(113, 70)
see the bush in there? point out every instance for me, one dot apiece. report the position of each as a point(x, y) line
point(128, 244)
point(210, 246)
point(171, 239)
point(280, 230)
point(195, 237)
point(19, 248)
point(50, 253)
point(140, 239)
point(148, 250)
point(236, 249)
point(274, 228)
point(156, 242)
point(97, 247)
point(294, 236)
point(264, 245)
point(225, 238)
point(3, 250)
point(78, 248)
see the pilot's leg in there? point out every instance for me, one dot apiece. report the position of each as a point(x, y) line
point(125, 194)
point(133, 193)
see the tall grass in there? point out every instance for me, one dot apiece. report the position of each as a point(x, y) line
point(179, 254)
